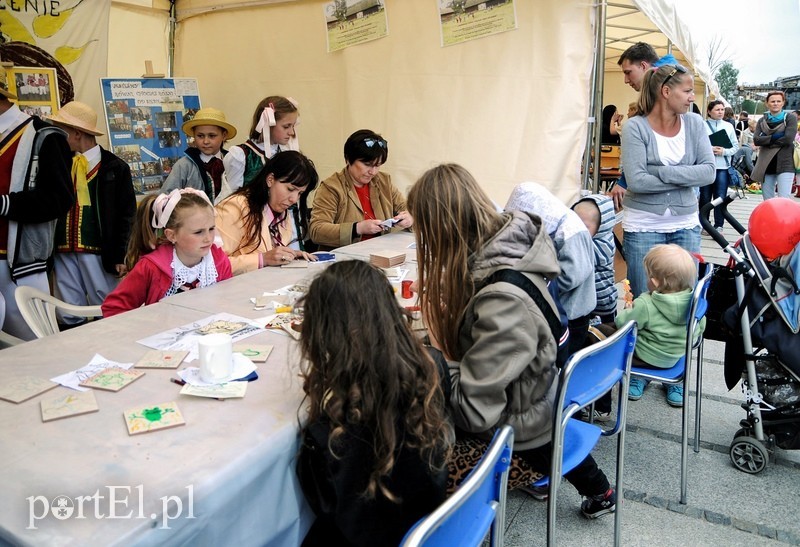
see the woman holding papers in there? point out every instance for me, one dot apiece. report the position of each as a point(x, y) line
point(774, 136)
point(359, 202)
point(667, 155)
point(724, 145)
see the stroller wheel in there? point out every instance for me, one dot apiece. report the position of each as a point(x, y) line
point(742, 432)
point(748, 455)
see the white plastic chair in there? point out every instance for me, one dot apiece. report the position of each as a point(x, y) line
point(8, 340)
point(38, 309)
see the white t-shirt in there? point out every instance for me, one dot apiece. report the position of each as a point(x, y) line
point(671, 151)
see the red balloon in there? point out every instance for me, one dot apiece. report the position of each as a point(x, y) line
point(774, 227)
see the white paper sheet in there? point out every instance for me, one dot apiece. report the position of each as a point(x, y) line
point(185, 337)
point(75, 377)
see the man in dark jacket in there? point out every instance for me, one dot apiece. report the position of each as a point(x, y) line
point(91, 240)
point(35, 190)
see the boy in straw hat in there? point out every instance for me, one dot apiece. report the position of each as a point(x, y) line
point(92, 238)
point(202, 168)
point(35, 190)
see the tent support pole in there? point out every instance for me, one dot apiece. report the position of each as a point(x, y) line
point(593, 134)
point(171, 45)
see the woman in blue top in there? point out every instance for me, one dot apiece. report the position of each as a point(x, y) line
point(666, 155)
point(722, 158)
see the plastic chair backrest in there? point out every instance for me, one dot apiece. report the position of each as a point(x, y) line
point(697, 310)
point(38, 309)
point(594, 370)
point(478, 504)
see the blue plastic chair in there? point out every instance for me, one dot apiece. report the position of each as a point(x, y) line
point(588, 375)
point(682, 370)
point(478, 505)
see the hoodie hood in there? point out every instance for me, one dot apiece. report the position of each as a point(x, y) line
point(521, 245)
point(673, 306)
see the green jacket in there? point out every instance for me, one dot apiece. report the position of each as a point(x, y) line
point(661, 319)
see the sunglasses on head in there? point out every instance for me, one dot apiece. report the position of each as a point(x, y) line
point(370, 142)
point(676, 69)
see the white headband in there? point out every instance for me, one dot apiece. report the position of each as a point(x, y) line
point(164, 204)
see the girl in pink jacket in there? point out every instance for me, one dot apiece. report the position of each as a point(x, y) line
point(171, 250)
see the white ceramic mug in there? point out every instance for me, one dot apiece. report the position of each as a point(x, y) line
point(216, 357)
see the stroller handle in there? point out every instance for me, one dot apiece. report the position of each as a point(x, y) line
point(721, 202)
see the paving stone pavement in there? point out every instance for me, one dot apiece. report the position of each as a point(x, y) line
point(725, 506)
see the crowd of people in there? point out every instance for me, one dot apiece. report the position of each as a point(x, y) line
point(384, 418)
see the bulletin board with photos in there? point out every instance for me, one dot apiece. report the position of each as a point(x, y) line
point(144, 118)
point(36, 89)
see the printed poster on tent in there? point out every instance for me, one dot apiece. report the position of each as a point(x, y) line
point(352, 22)
point(144, 118)
point(464, 20)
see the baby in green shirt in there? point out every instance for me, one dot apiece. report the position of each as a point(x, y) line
point(661, 315)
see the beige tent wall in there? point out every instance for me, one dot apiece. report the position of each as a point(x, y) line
point(509, 107)
point(138, 31)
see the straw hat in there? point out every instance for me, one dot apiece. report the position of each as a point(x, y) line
point(79, 116)
point(4, 85)
point(209, 116)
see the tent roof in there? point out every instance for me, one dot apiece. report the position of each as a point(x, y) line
point(657, 23)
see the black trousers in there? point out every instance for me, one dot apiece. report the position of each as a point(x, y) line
point(587, 478)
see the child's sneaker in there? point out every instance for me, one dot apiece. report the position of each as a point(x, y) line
point(540, 493)
point(675, 395)
point(636, 388)
point(597, 506)
point(603, 417)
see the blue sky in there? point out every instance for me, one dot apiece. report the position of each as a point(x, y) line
point(761, 37)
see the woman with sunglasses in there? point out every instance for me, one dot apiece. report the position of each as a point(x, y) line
point(667, 154)
point(265, 223)
point(356, 203)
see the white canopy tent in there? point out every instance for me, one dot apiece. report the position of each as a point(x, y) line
point(510, 107)
point(627, 22)
point(657, 23)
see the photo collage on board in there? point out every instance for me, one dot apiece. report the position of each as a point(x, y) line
point(144, 119)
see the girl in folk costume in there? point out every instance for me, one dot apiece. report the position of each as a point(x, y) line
point(271, 131)
point(171, 250)
point(201, 167)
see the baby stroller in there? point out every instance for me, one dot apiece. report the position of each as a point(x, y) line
point(760, 327)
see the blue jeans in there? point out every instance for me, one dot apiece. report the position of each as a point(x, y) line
point(784, 182)
point(718, 188)
point(637, 244)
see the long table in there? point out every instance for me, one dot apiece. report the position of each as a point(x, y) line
point(231, 467)
point(394, 241)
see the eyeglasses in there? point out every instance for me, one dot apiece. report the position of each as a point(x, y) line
point(370, 142)
point(676, 69)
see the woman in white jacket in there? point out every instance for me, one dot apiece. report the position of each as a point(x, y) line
point(723, 156)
